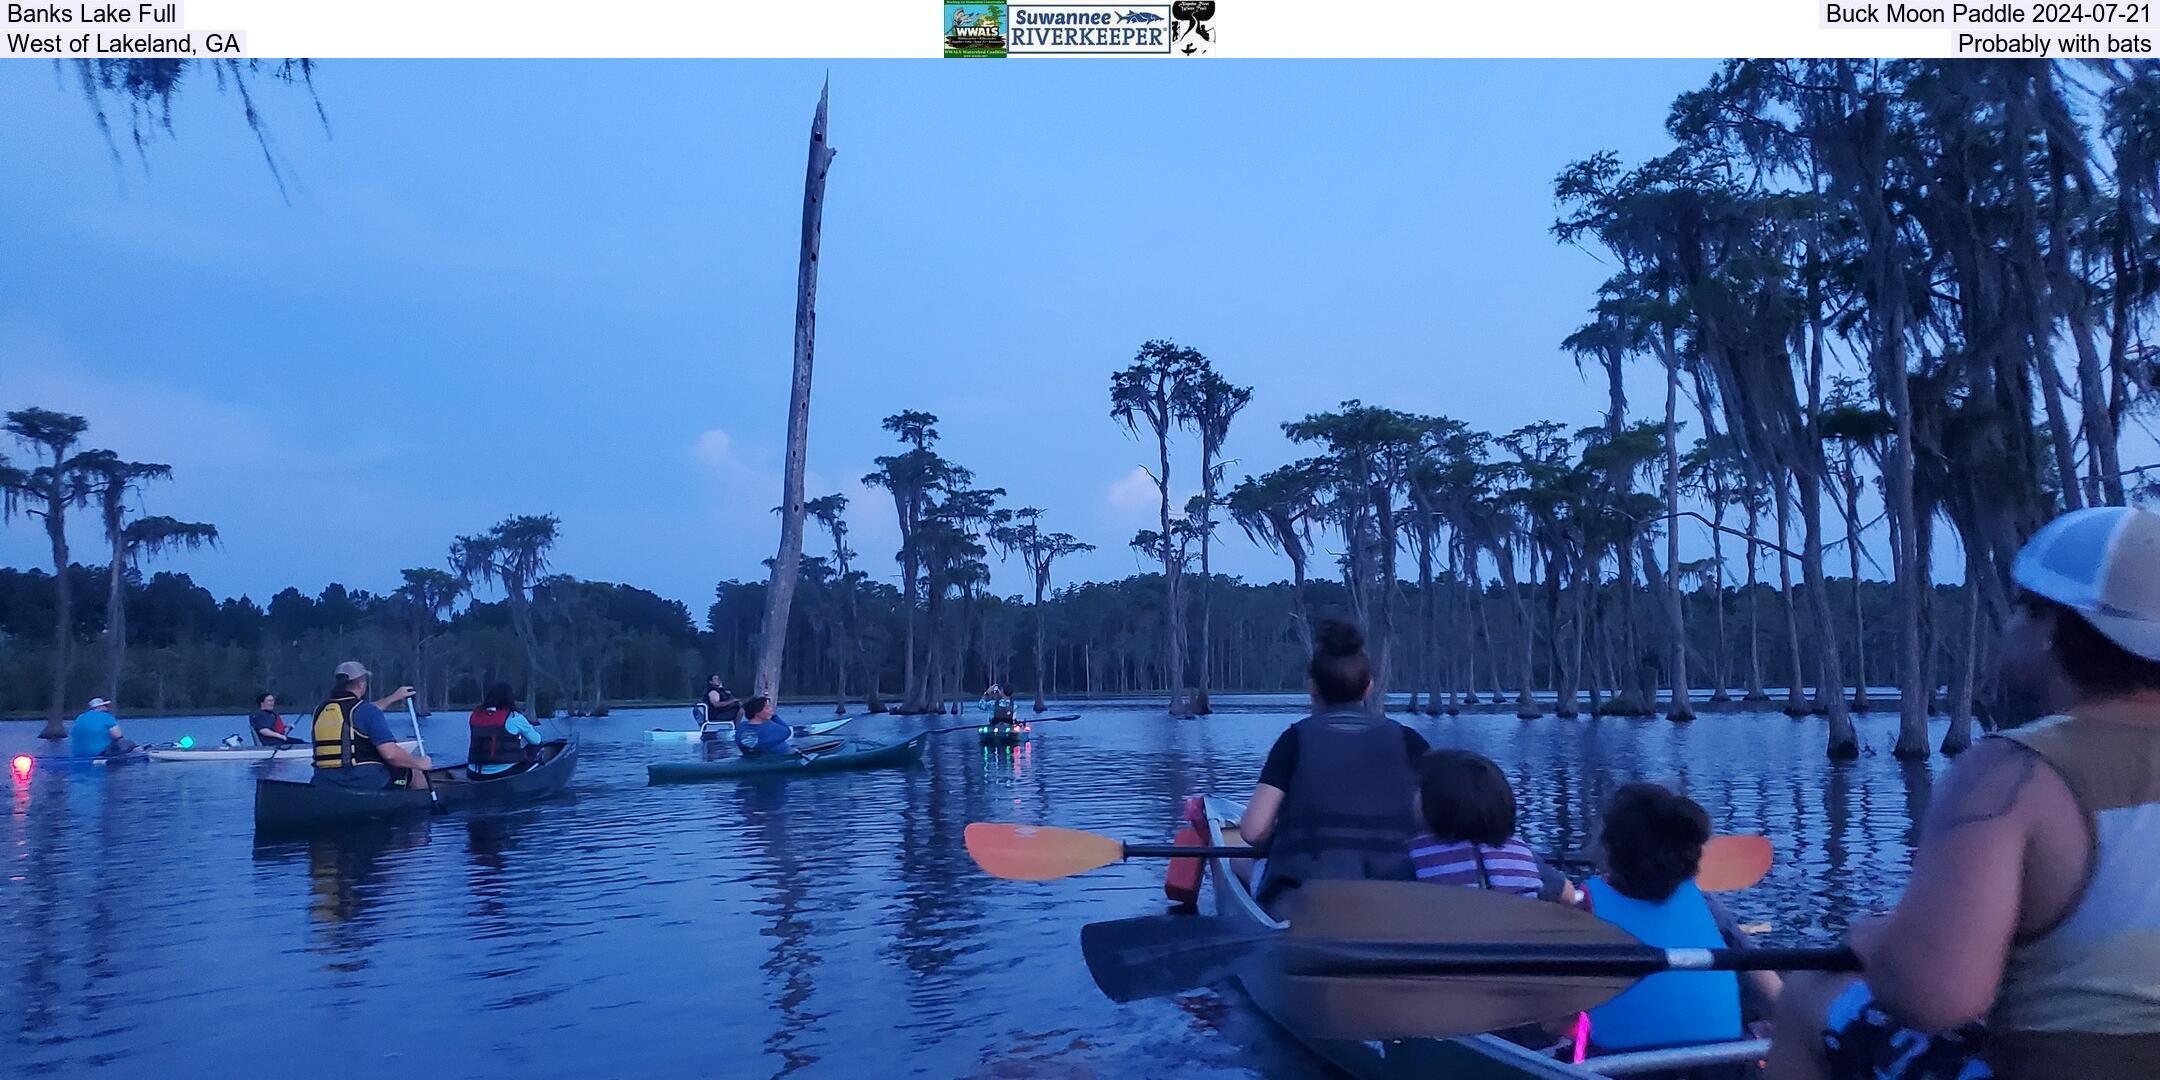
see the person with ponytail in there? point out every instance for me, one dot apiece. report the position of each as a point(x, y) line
point(1336, 793)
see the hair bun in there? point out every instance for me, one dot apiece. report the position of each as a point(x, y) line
point(1338, 637)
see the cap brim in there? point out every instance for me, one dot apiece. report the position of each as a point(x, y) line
point(2139, 637)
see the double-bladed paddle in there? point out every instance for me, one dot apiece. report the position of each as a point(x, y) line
point(980, 726)
point(1044, 853)
point(1384, 959)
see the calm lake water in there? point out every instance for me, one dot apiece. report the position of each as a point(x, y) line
point(826, 926)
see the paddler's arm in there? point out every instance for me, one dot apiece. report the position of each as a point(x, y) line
point(1258, 824)
point(397, 757)
point(1936, 960)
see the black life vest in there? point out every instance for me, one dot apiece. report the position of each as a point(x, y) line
point(339, 745)
point(1348, 811)
point(720, 714)
point(1002, 711)
point(492, 742)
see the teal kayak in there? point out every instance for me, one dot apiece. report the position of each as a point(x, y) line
point(850, 754)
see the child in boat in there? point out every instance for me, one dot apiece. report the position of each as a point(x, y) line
point(1469, 814)
point(1652, 843)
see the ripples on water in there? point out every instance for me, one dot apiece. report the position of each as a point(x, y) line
point(831, 926)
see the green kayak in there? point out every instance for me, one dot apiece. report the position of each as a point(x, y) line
point(850, 754)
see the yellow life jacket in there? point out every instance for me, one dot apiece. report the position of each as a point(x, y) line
point(338, 745)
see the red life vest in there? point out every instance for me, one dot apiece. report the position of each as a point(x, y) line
point(492, 743)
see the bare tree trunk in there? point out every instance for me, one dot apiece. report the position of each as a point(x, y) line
point(780, 591)
point(63, 616)
point(1723, 657)
point(1852, 551)
point(1795, 699)
point(115, 616)
point(1755, 689)
point(1683, 693)
point(1844, 741)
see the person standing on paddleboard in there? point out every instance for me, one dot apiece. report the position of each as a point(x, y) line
point(2025, 944)
point(1336, 792)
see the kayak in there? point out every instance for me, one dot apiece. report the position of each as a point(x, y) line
point(1473, 1057)
point(140, 753)
point(849, 754)
point(229, 753)
point(295, 752)
point(1005, 734)
point(727, 727)
point(282, 805)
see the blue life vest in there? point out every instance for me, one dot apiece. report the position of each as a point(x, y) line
point(1677, 1008)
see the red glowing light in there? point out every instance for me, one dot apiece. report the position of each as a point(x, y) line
point(22, 764)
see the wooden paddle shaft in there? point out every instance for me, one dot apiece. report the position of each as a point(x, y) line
point(1518, 958)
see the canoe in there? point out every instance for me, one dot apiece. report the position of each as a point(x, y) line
point(726, 728)
point(1005, 734)
point(850, 754)
point(298, 804)
point(1473, 1057)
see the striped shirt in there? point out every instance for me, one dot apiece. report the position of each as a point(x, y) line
point(1509, 868)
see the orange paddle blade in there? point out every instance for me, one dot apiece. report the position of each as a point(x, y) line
point(1733, 862)
point(1038, 852)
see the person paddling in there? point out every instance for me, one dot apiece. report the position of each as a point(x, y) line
point(1335, 794)
point(1468, 809)
point(757, 734)
point(2024, 945)
point(268, 726)
point(353, 744)
point(1652, 843)
point(96, 732)
point(502, 738)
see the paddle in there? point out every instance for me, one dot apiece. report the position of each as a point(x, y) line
point(1380, 959)
point(421, 741)
point(979, 727)
point(1043, 853)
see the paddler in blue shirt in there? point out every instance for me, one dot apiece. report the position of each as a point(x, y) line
point(96, 733)
point(757, 734)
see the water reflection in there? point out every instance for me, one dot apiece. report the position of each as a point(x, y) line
point(822, 926)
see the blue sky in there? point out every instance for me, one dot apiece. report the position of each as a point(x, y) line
point(568, 287)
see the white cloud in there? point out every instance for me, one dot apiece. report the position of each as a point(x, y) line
point(1134, 492)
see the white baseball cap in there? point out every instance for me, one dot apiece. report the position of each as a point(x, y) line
point(2104, 563)
point(97, 703)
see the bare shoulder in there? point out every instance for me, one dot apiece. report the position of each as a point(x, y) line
point(1997, 782)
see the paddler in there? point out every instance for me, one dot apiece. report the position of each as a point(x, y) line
point(998, 704)
point(501, 737)
point(757, 733)
point(353, 744)
point(96, 732)
point(720, 703)
point(2028, 939)
point(1335, 795)
point(269, 727)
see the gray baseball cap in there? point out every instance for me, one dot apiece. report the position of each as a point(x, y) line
point(350, 670)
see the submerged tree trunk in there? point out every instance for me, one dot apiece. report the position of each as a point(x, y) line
point(1844, 741)
point(1852, 551)
point(780, 592)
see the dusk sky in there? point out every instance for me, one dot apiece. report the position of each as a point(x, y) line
point(568, 288)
